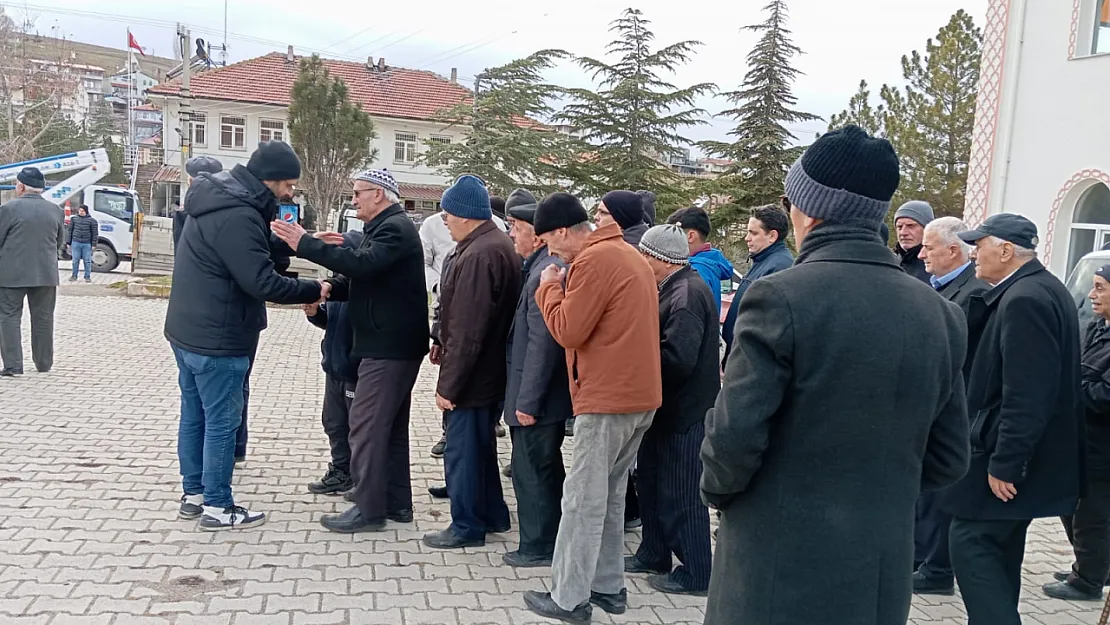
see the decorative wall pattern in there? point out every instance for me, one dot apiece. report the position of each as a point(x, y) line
point(987, 104)
point(1050, 233)
point(1074, 37)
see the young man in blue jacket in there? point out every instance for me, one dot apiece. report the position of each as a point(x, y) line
point(341, 377)
point(705, 259)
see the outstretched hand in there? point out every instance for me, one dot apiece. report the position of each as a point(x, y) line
point(331, 238)
point(290, 233)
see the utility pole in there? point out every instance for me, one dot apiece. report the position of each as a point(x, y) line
point(185, 113)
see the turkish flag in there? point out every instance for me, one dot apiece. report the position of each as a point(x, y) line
point(132, 43)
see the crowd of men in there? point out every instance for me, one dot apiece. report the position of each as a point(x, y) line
point(938, 396)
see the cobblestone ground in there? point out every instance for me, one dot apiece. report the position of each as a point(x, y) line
point(89, 489)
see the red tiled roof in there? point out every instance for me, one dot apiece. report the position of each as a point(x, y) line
point(421, 191)
point(167, 173)
point(398, 92)
point(145, 107)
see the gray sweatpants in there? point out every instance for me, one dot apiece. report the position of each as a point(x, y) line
point(41, 301)
point(589, 550)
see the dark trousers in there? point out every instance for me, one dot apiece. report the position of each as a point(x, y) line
point(241, 435)
point(1089, 532)
point(668, 477)
point(41, 301)
point(631, 501)
point(338, 396)
point(538, 474)
point(987, 557)
point(379, 422)
point(930, 539)
point(473, 477)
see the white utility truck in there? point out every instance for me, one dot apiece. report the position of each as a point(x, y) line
point(113, 207)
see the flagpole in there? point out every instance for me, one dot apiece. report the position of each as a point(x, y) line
point(130, 85)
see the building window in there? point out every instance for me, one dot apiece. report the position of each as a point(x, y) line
point(1090, 229)
point(440, 139)
point(200, 129)
point(1101, 42)
point(271, 130)
point(233, 133)
point(404, 147)
point(427, 205)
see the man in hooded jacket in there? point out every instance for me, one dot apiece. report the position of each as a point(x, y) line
point(705, 259)
point(626, 209)
point(222, 277)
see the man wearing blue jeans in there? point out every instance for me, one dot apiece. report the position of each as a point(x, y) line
point(222, 277)
point(83, 231)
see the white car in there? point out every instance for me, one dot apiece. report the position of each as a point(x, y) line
point(1080, 282)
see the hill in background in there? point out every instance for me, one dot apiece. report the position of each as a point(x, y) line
point(111, 59)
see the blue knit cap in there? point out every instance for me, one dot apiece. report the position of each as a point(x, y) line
point(467, 199)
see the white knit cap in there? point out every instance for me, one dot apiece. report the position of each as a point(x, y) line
point(666, 242)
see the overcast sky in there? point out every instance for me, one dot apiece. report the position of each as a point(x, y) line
point(843, 41)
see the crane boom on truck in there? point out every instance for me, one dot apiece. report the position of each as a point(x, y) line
point(114, 208)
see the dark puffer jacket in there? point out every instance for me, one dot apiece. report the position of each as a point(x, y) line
point(1096, 397)
point(223, 274)
point(83, 229)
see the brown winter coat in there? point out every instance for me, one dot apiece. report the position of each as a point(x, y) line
point(607, 318)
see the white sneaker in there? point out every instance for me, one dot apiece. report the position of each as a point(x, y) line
point(235, 517)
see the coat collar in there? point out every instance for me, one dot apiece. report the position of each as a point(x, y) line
point(612, 231)
point(771, 249)
point(851, 241)
point(534, 259)
point(1028, 269)
point(959, 281)
point(483, 228)
point(389, 211)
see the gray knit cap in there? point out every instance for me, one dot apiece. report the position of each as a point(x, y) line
point(916, 210)
point(667, 243)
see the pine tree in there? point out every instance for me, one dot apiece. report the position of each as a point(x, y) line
point(330, 134)
point(507, 146)
point(930, 122)
point(635, 118)
point(763, 146)
point(861, 113)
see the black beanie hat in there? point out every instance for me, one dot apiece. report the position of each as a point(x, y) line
point(497, 205)
point(32, 177)
point(626, 207)
point(559, 210)
point(274, 160)
point(845, 174)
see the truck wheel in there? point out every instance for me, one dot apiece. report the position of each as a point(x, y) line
point(104, 258)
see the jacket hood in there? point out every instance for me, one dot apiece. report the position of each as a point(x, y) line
point(229, 189)
point(714, 260)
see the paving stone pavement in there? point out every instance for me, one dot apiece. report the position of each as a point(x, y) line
point(89, 490)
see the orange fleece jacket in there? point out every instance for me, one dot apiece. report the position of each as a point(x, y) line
point(607, 318)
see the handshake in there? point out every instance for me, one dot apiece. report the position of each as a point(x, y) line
point(291, 234)
point(314, 307)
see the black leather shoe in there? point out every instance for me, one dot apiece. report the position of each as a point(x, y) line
point(613, 604)
point(923, 585)
point(632, 564)
point(667, 584)
point(439, 492)
point(447, 539)
point(1068, 592)
point(632, 524)
point(10, 373)
point(525, 561)
point(542, 604)
point(438, 448)
point(1063, 576)
point(400, 516)
point(351, 522)
point(349, 496)
point(507, 471)
point(501, 529)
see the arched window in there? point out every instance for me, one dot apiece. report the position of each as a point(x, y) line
point(1090, 230)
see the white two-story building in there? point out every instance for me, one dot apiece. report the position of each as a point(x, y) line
point(1041, 144)
point(236, 107)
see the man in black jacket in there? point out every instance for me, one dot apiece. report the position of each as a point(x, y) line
point(909, 226)
point(1088, 528)
point(676, 522)
point(952, 274)
point(478, 298)
point(340, 381)
point(383, 281)
point(222, 278)
point(83, 235)
point(193, 167)
point(817, 448)
point(537, 399)
point(1025, 402)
